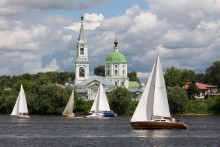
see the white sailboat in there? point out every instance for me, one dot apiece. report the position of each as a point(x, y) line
point(20, 108)
point(68, 111)
point(100, 106)
point(153, 111)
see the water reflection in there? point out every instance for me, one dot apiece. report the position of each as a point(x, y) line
point(151, 133)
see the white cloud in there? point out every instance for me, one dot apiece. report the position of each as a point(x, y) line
point(185, 33)
point(8, 7)
point(91, 22)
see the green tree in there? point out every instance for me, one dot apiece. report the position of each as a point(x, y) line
point(177, 77)
point(119, 100)
point(133, 76)
point(99, 70)
point(172, 77)
point(212, 75)
point(216, 106)
point(177, 98)
point(193, 90)
point(200, 77)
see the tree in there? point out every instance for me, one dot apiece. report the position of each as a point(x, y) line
point(200, 77)
point(172, 77)
point(177, 99)
point(119, 100)
point(177, 77)
point(133, 76)
point(99, 70)
point(212, 75)
point(193, 90)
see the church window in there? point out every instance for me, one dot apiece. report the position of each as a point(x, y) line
point(116, 66)
point(81, 72)
point(108, 72)
point(116, 83)
point(81, 51)
point(116, 72)
point(122, 84)
point(108, 66)
point(123, 66)
point(123, 72)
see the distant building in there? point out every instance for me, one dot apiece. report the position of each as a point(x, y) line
point(115, 72)
point(205, 90)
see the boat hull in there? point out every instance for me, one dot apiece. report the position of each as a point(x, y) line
point(109, 114)
point(69, 116)
point(158, 125)
point(21, 116)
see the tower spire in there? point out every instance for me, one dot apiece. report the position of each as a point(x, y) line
point(116, 45)
point(81, 33)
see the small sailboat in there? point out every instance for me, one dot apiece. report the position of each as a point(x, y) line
point(152, 111)
point(100, 107)
point(20, 109)
point(68, 111)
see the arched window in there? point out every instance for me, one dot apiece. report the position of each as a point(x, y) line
point(116, 83)
point(116, 72)
point(81, 51)
point(122, 84)
point(81, 72)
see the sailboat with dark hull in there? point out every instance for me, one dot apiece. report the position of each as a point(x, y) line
point(152, 111)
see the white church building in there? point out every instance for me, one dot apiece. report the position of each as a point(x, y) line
point(115, 71)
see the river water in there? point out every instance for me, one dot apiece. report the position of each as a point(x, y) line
point(59, 131)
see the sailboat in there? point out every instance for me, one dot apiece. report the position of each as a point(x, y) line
point(68, 111)
point(20, 109)
point(100, 107)
point(152, 111)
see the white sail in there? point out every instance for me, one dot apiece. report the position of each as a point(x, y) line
point(69, 107)
point(153, 101)
point(21, 103)
point(101, 102)
point(161, 106)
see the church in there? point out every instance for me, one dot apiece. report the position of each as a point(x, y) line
point(115, 71)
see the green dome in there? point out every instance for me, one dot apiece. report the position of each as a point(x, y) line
point(116, 57)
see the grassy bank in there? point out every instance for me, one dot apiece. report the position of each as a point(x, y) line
point(203, 106)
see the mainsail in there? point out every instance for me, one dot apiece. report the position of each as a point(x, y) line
point(153, 102)
point(101, 102)
point(69, 107)
point(20, 106)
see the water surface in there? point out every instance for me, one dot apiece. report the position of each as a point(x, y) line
point(60, 131)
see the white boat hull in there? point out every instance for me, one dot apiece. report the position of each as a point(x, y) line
point(21, 116)
point(95, 115)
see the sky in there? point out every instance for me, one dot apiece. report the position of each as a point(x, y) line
point(41, 35)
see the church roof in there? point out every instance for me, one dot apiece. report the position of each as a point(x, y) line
point(95, 78)
point(133, 84)
point(81, 33)
point(116, 56)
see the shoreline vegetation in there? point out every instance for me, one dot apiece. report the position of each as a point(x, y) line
point(46, 97)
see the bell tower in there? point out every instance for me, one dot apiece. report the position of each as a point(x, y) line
point(82, 61)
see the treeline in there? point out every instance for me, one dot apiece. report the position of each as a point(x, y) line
point(43, 95)
point(178, 77)
point(46, 95)
point(182, 101)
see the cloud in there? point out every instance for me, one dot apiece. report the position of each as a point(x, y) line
point(8, 7)
point(91, 22)
point(184, 33)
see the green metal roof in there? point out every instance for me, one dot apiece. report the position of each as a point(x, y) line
point(116, 57)
point(133, 84)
